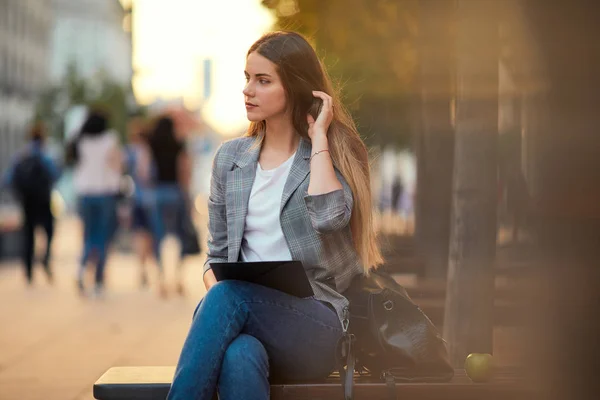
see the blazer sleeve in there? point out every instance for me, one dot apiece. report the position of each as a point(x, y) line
point(217, 214)
point(330, 212)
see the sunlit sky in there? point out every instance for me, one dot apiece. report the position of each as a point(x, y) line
point(171, 38)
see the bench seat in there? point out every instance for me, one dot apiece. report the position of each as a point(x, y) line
point(153, 383)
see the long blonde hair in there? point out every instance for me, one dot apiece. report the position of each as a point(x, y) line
point(301, 72)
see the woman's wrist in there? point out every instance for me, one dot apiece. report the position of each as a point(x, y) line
point(209, 279)
point(316, 153)
point(320, 142)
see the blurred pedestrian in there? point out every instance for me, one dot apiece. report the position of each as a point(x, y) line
point(171, 194)
point(397, 193)
point(32, 176)
point(138, 165)
point(97, 174)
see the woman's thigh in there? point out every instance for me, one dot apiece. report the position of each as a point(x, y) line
point(300, 335)
point(101, 221)
point(86, 212)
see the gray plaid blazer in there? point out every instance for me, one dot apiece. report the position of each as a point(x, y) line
point(316, 228)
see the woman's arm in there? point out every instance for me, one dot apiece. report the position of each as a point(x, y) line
point(330, 212)
point(143, 165)
point(209, 279)
point(329, 200)
point(184, 170)
point(322, 174)
point(115, 155)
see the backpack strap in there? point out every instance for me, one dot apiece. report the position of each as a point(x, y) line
point(346, 363)
point(390, 383)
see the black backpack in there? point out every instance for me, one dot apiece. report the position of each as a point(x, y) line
point(386, 335)
point(32, 180)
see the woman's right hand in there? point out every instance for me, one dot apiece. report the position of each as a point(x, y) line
point(209, 279)
point(317, 129)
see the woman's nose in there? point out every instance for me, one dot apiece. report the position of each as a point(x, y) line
point(248, 90)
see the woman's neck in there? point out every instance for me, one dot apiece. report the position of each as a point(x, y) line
point(280, 137)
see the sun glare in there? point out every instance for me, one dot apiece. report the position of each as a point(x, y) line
point(172, 39)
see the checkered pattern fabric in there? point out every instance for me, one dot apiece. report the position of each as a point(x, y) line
point(316, 228)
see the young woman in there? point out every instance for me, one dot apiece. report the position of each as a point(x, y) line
point(96, 179)
point(294, 188)
point(138, 162)
point(172, 165)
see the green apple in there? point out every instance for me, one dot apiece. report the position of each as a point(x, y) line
point(479, 367)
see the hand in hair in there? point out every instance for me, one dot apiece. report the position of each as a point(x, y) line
point(318, 128)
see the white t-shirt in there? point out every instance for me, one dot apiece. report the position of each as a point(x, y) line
point(93, 174)
point(263, 238)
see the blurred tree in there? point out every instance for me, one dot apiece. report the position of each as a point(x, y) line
point(98, 91)
point(368, 46)
point(435, 141)
point(114, 98)
point(469, 312)
point(48, 110)
point(75, 85)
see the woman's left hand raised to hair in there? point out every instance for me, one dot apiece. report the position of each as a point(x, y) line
point(318, 128)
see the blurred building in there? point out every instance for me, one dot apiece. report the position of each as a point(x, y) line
point(95, 35)
point(24, 32)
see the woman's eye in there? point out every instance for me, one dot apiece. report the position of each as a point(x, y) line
point(263, 82)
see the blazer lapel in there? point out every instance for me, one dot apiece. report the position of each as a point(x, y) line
point(239, 186)
point(300, 168)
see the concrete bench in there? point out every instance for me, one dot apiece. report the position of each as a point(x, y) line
point(153, 383)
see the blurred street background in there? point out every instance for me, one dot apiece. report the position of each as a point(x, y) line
point(480, 115)
point(54, 345)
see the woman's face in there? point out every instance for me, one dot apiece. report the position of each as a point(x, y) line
point(264, 93)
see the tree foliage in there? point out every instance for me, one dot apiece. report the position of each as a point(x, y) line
point(99, 91)
point(369, 49)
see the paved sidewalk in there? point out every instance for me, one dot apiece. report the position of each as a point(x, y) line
point(54, 344)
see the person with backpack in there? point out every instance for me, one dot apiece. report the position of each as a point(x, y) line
point(32, 176)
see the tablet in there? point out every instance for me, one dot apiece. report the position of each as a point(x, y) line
point(286, 276)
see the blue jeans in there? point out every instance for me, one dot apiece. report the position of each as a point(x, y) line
point(242, 334)
point(97, 215)
point(167, 210)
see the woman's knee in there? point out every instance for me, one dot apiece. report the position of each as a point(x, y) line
point(220, 301)
point(223, 292)
point(246, 352)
